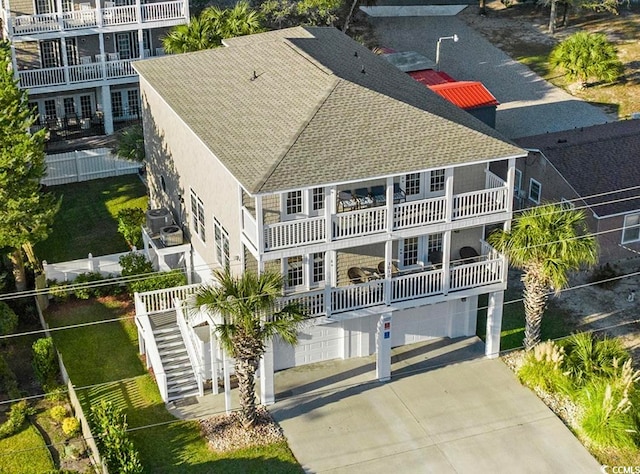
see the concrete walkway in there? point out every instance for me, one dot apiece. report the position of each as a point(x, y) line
point(528, 104)
point(466, 417)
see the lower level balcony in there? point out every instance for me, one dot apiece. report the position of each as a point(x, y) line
point(81, 73)
point(431, 281)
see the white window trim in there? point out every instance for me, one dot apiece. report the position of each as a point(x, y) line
point(219, 245)
point(200, 225)
point(531, 183)
point(517, 184)
point(626, 226)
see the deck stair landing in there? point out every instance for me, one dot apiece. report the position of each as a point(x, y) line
point(181, 379)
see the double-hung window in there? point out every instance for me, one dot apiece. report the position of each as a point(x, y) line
point(631, 229)
point(535, 191)
point(317, 199)
point(295, 271)
point(197, 216)
point(410, 254)
point(294, 202)
point(221, 237)
point(318, 267)
point(436, 182)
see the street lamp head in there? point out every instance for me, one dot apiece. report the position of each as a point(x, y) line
point(455, 38)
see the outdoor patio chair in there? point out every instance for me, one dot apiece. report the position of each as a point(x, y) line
point(357, 275)
point(346, 202)
point(362, 195)
point(159, 51)
point(435, 258)
point(398, 194)
point(378, 195)
point(100, 58)
point(394, 269)
point(468, 255)
point(85, 59)
point(113, 56)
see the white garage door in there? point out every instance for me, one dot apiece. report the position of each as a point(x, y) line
point(315, 344)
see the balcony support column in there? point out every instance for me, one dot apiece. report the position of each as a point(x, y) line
point(105, 92)
point(65, 59)
point(511, 180)
point(141, 43)
point(215, 389)
point(59, 14)
point(267, 391)
point(388, 265)
point(448, 192)
point(14, 59)
point(330, 206)
point(390, 204)
point(99, 20)
point(330, 279)
point(446, 261)
point(383, 348)
point(259, 225)
point(494, 324)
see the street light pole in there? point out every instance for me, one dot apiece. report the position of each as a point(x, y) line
point(455, 40)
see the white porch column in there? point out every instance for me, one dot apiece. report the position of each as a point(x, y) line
point(267, 387)
point(330, 278)
point(259, 225)
point(65, 60)
point(330, 203)
point(389, 195)
point(446, 262)
point(383, 348)
point(213, 343)
point(511, 180)
point(448, 192)
point(494, 324)
point(388, 265)
point(105, 92)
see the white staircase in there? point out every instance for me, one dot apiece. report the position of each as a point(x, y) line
point(181, 380)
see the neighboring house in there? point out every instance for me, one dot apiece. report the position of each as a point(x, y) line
point(594, 168)
point(302, 152)
point(74, 57)
point(471, 96)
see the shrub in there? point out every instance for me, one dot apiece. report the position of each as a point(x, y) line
point(58, 413)
point(603, 273)
point(86, 292)
point(110, 430)
point(608, 419)
point(588, 356)
point(55, 393)
point(135, 263)
point(130, 221)
point(71, 426)
point(158, 281)
point(17, 416)
point(58, 290)
point(542, 368)
point(45, 363)
point(8, 319)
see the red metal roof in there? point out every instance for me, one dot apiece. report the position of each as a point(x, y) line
point(429, 77)
point(465, 94)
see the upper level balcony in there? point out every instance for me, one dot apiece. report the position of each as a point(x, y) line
point(371, 214)
point(80, 73)
point(93, 16)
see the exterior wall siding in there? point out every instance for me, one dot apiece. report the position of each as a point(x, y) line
point(610, 240)
point(182, 151)
point(469, 178)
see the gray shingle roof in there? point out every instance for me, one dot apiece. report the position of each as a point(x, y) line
point(597, 160)
point(321, 109)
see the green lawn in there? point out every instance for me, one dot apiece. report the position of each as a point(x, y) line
point(26, 448)
point(108, 353)
point(555, 322)
point(86, 222)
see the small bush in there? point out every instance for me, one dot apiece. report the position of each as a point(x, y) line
point(58, 290)
point(17, 416)
point(130, 221)
point(542, 368)
point(71, 426)
point(110, 429)
point(158, 281)
point(605, 272)
point(8, 319)
point(135, 263)
point(588, 356)
point(608, 417)
point(58, 413)
point(45, 361)
point(55, 393)
point(84, 293)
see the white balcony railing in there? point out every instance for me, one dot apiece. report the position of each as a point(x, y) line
point(373, 220)
point(89, 18)
point(416, 213)
point(56, 76)
point(494, 181)
point(472, 275)
point(293, 233)
point(416, 285)
point(163, 300)
point(360, 222)
point(312, 302)
point(479, 203)
point(358, 296)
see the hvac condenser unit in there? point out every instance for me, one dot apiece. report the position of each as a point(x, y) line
point(171, 235)
point(157, 219)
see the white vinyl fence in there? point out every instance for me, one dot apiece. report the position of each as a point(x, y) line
point(68, 271)
point(74, 166)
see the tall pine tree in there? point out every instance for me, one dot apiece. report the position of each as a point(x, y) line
point(26, 213)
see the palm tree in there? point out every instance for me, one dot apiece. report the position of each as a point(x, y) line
point(546, 242)
point(248, 308)
point(586, 55)
point(212, 26)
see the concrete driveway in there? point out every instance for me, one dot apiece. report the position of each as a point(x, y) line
point(435, 415)
point(529, 105)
